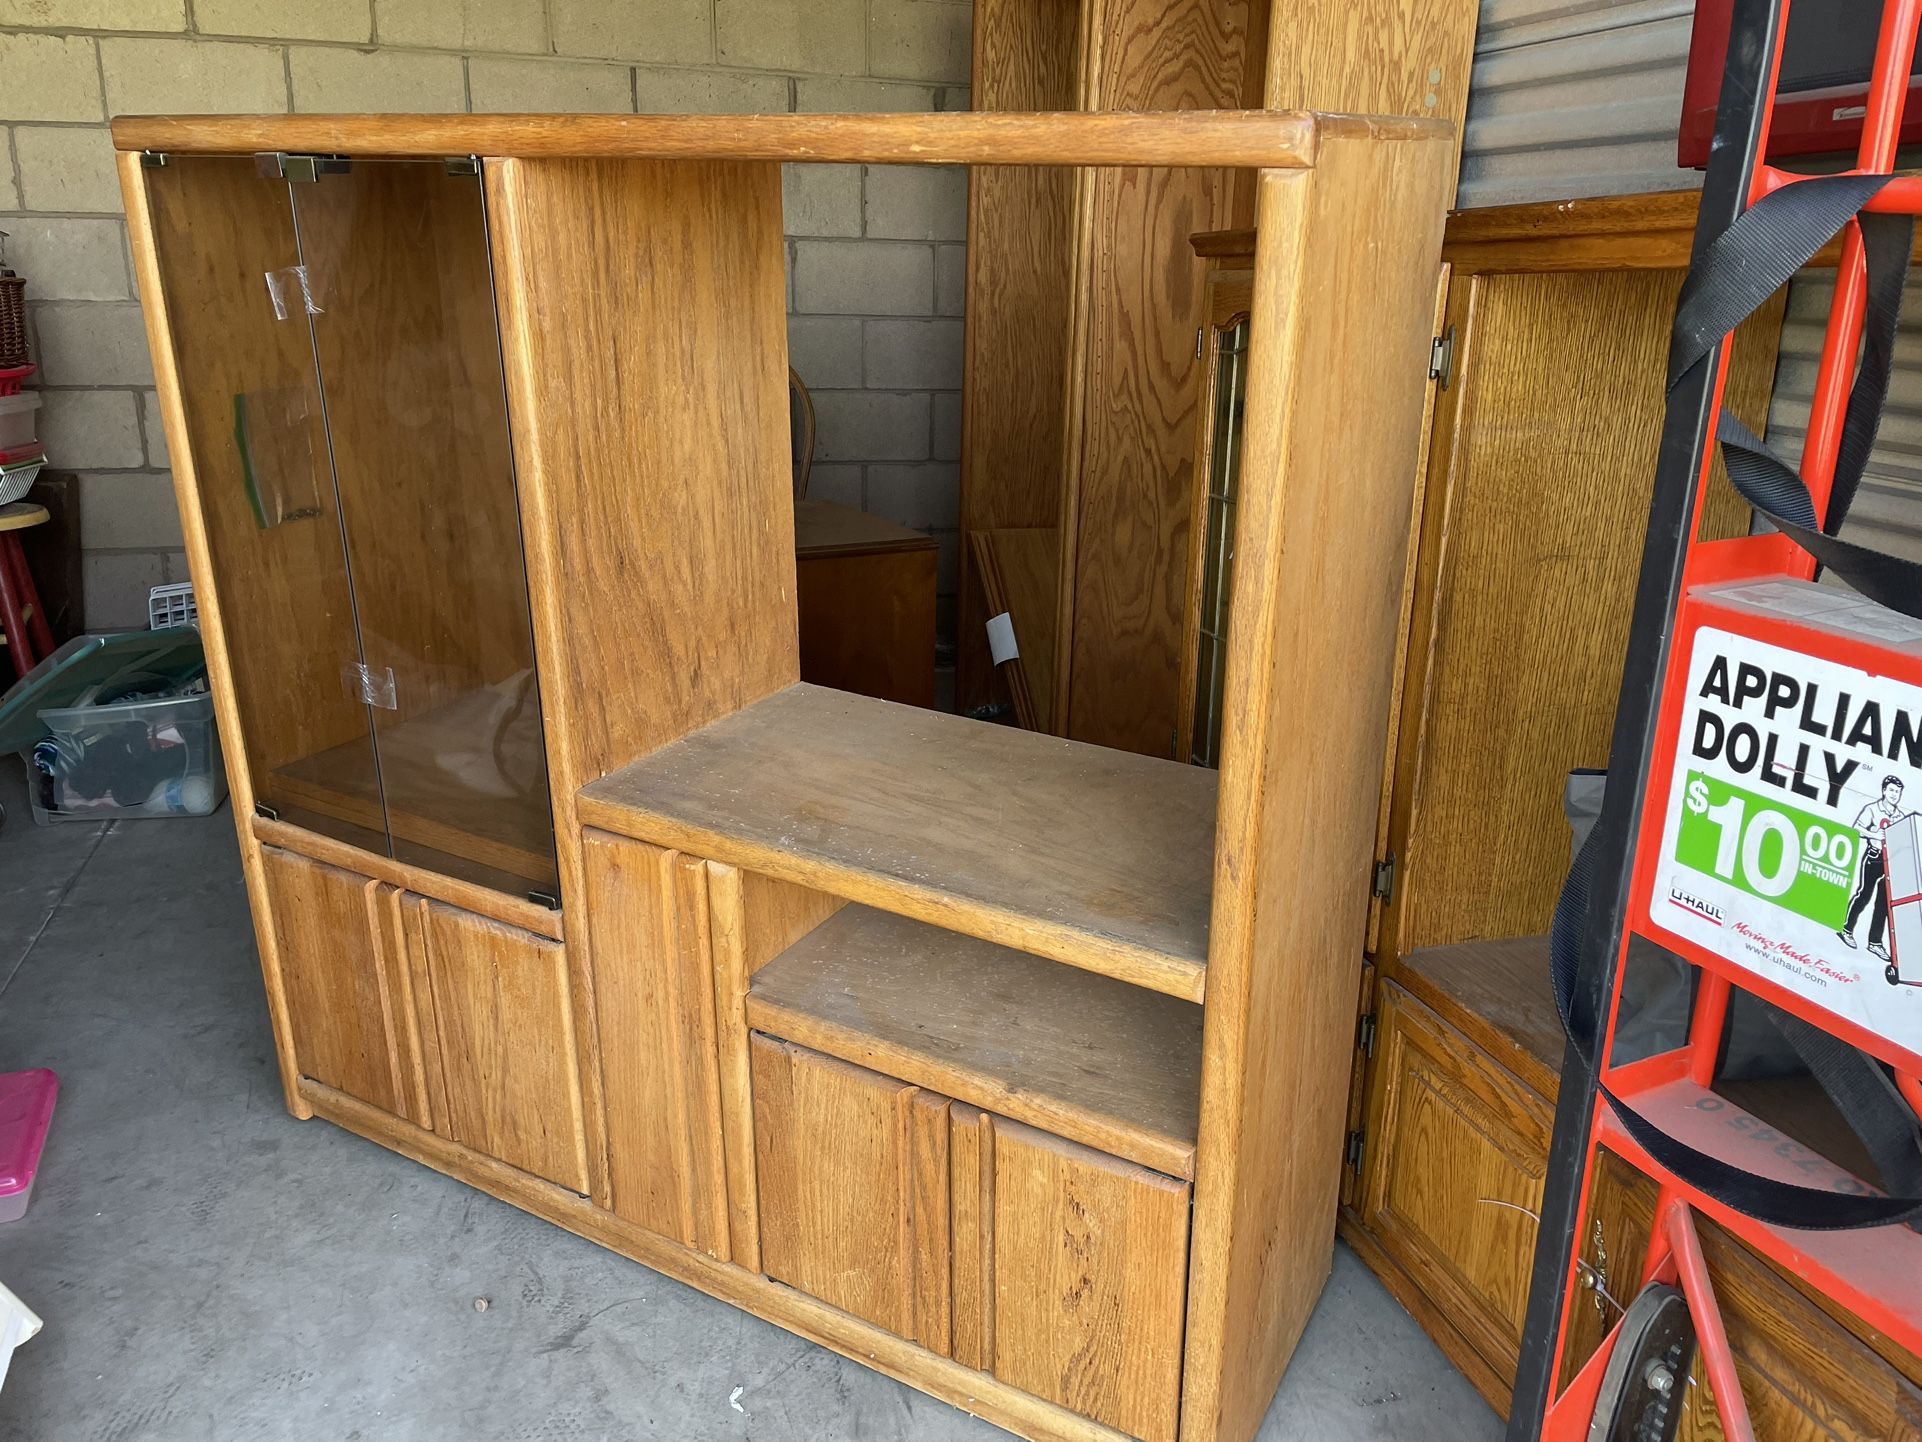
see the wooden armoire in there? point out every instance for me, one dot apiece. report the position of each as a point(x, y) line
point(1081, 383)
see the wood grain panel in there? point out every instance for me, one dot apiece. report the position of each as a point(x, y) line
point(340, 1006)
point(1454, 1173)
point(835, 1162)
point(1129, 496)
point(1021, 229)
point(647, 916)
point(1078, 853)
point(506, 1037)
point(1114, 1066)
point(868, 622)
point(930, 1284)
point(1089, 1276)
point(1337, 372)
point(1536, 510)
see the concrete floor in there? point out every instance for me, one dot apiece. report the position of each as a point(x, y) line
point(209, 1268)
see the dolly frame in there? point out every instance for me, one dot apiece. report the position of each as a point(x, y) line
point(1673, 1088)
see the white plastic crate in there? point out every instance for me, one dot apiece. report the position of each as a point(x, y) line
point(172, 606)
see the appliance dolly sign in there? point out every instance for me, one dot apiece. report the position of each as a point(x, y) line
point(1790, 844)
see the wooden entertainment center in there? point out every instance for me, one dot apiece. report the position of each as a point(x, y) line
point(1011, 1066)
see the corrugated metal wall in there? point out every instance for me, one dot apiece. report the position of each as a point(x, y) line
point(1888, 509)
point(1575, 97)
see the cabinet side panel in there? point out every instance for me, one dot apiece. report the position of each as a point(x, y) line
point(644, 326)
point(1344, 297)
point(1020, 237)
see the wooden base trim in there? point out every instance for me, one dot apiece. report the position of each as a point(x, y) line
point(1496, 1391)
point(497, 905)
point(974, 1392)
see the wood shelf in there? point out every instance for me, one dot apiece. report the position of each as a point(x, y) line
point(1101, 859)
point(1079, 1055)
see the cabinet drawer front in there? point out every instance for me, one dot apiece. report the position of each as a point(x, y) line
point(1090, 1261)
point(853, 1188)
point(1456, 1150)
point(344, 1002)
point(504, 1034)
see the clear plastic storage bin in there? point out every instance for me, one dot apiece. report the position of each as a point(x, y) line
point(138, 758)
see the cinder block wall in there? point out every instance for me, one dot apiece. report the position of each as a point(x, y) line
point(875, 257)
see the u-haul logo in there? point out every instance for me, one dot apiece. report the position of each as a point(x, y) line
point(1688, 901)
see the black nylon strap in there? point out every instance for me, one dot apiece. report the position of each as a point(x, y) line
point(1780, 1204)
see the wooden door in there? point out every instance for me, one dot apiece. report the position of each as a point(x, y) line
point(345, 1003)
point(647, 920)
point(852, 1169)
point(501, 1055)
point(1089, 1265)
point(1453, 1175)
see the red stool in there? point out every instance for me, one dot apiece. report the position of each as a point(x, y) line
point(28, 639)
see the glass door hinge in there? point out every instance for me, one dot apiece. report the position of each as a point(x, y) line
point(376, 688)
point(1357, 1142)
point(1365, 1035)
point(280, 165)
point(153, 159)
point(462, 164)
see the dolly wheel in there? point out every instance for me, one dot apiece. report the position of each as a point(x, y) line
point(1647, 1373)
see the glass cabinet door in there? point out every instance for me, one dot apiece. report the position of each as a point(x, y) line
point(1217, 557)
point(229, 259)
point(400, 299)
point(340, 366)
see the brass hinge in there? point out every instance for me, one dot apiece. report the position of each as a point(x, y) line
point(1441, 357)
point(1357, 1141)
point(1383, 884)
point(1365, 1035)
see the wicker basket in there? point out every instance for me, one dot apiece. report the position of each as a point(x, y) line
point(13, 320)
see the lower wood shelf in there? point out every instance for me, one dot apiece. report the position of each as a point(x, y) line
point(1098, 1061)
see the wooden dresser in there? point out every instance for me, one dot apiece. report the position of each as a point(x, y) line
point(865, 593)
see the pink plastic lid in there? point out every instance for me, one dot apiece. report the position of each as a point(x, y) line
point(26, 1111)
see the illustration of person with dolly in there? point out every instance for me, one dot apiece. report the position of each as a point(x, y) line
point(1871, 822)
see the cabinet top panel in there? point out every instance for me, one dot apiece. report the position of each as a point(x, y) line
point(1280, 139)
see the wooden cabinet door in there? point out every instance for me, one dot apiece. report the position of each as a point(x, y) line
point(342, 978)
point(648, 945)
point(501, 1049)
point(853, 1179)
point(1453, 1173)
point(1089, 1263)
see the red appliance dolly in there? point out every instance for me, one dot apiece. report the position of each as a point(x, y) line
point(1768, 736)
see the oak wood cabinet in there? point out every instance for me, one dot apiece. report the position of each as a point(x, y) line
point(1008, 1064)
point(1527, 537)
